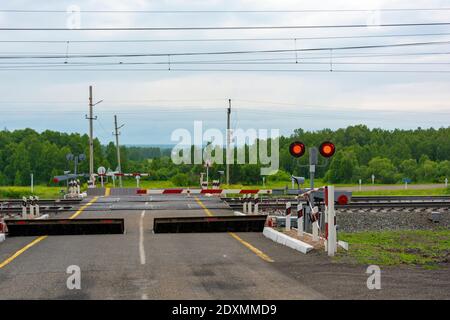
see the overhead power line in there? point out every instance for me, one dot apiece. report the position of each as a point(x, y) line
point(227, 39)
point(227, 27)
point(234, 70)
point(222, 11)
point(125, 55)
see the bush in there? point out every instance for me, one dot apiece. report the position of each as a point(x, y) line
point(180, 180)
point(11, 194)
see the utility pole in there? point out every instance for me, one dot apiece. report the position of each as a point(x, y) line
point(228, 141)
point(117, 133)
point(91, 118)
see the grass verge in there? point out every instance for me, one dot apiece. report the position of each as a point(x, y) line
point(42, 192)
point(427, 248)
point(411, 192)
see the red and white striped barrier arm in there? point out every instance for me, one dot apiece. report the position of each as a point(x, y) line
point(210, 191)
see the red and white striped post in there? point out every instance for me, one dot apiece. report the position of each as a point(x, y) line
point(255, 210)
point(36, 207)
point(300, 219)
point(24, 207)
point(288, 216)
point(32, 207)
point(315, 225)
point(244, 204)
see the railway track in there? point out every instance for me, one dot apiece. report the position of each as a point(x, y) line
point(377, 202)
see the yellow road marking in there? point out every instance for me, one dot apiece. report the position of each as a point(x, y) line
point(209, 213)
point(76, 214)
point(107, 192)
point(256, 251)
point(18, 253)
point(39, 239)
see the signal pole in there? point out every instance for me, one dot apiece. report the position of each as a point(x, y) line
point(117, 133)
point(91, 133)
point(228, 141)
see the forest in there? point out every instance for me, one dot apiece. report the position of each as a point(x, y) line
point(422, 155)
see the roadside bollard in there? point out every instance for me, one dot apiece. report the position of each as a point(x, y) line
point(24, 207)
point(315, 225)
point(249, 204)
point(288, 216)
point(36, 207)
point(300, 219)
point(31, 215)
point(78, 187)
point(255, 210)
point(244, 204)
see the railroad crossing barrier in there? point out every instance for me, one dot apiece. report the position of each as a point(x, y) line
point(38, 227)
point(253, 223)
point(327, 219)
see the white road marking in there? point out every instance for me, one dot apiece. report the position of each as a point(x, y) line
point(141, 238)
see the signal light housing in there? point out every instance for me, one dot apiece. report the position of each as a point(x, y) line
point(297, 149)
point(327, 149)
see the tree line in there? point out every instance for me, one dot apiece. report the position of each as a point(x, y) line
point(421, 155)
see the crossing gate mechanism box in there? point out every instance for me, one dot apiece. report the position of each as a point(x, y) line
point(55, 227)
point(254, 223)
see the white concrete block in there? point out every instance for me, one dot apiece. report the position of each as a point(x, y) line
point(343, 244)
point(283, 239)
point(2, 237)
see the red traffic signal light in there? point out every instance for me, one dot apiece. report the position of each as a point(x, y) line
point(327, 149)
point(297, 149)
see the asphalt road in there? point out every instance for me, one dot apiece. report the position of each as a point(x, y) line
point(142, 265)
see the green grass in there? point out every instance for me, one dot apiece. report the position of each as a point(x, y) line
point(409, 192)
point(42, 192)
point(427, 248)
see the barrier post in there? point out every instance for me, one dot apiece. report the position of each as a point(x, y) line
point(31, 207)
point(244, 204)
point(249, 204)
point(24, 207)
point(288, 216)
point(331, 220)
point(300, 219)
point(315, 225)
point(255, 210)
point(78, 187)
point(37, 213)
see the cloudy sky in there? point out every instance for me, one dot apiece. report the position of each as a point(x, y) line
point(283, 90)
